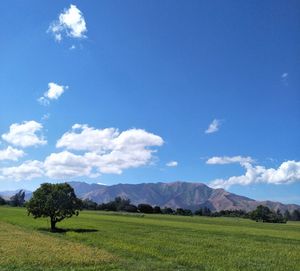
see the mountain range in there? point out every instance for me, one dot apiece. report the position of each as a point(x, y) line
point(175, 195)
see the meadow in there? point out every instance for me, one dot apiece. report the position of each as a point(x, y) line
point(110, 241)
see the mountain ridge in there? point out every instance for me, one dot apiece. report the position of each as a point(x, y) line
point(175, 195)
point(189, 195)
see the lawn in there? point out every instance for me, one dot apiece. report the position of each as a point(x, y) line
point(109, 241)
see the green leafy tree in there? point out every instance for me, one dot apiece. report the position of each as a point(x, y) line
point(56, 201)
point(167, 211)
point(264, 214)
point(156, 210)
point(287, 215)
point(2, 201)
point(261, 213)
point(145, 208)
point(185, 212)
point(199, 212)
point(295, 215)
point(121, 203)
point(89, 204)
point(130, 208)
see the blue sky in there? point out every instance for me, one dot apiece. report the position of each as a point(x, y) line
point(176, 81)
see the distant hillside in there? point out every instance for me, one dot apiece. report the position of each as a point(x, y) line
point(174, 195)
point(7, 194)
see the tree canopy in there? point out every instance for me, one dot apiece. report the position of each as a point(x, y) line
point(56, 201)
point(2, 201)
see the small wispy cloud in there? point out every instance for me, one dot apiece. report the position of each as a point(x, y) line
point(53, 93)
point(46, 116)
point(172, 164)
point(222, 160)
point(70, 23)
point(213, 127)
point(284, 78)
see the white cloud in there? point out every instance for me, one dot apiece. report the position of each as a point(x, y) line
point(172, 164)
point(104, 151)
point(53, 93)
point(67, 165)
point(213, 127)
point(26, 171)
point(11, 153)
point(229, 160)
point(70, 23)
point(84, 138)
point(109, 150)
point(287, 172)
point(25, 134)
point(284, 75)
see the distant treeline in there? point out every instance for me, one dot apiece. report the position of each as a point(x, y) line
point(261, 213)
point(17, 200)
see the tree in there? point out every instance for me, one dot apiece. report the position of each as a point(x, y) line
point(56, 201)
point(199, 212)
point(89, 204)
point(264, 214)
point(121, 203)
point(167, 211)
point(2, 201)
point(295, 215)
point(204, 211)
point(118, 204)
point(185, 212)
point(287, 215)
point(261, 213)
point(18, 199)
point(156, 210)
point(145, 208)
point(130, 208)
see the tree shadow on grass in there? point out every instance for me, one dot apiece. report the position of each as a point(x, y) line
point(58, 230)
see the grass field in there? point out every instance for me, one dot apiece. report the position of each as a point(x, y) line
point(107, 241)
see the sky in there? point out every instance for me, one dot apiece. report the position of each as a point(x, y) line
point(152, 91)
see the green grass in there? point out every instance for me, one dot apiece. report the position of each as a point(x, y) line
point(108, 241)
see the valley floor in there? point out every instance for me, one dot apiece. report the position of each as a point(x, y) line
point(109, 241)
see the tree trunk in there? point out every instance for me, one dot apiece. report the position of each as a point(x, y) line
point(53, 223)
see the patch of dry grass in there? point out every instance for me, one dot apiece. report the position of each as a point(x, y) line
point(23, 248)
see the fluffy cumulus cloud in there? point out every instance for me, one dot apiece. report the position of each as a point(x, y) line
point(287, 172)
point(109, 150)
point(11, 153)
point(99, 151)
point(222, 160)
point(172, 164)
point(53, 93)
point(26, 171)
point(70, 23)
point(25, 134)
point(213, 127)
point(84, 138)
point(67, 165)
